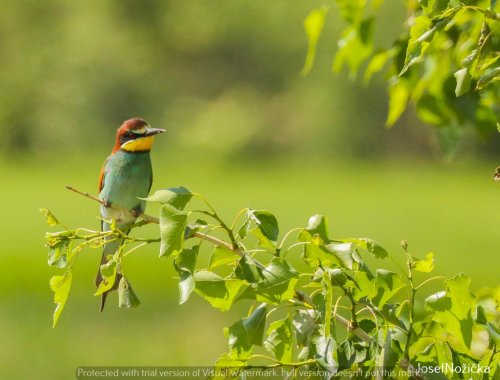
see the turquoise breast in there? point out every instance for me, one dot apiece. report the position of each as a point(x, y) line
point(127, 177)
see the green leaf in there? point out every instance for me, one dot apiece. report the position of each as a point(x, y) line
point(444, 357)
point(246, 332)
point(355, 46)
point(304, 325)
point(280, 340)
point(398, 101)
point(313, 25)
point(254, 325)
point(242, 232)
point(393, 314)
point(264, 242)
point(343, 252)
point(184, 264)
point(421, 33)
point(58, 253)
point(365, 285)
point(387, 284)
point(463, 78)
point(390, 353)
point(227, 361)
point(316, 254)
point(277, 285)
point(50, 218)
point(426, 265)
point(370, 245)
point(195, 227)
point(376, 249)
point(240, 348)
point(376, 64)
point(438, 301)
point(61, 286)
point(345, 354)
point(177, 197)
point(172, 225)
point(108, 273)
point(338, 277)
point(332, 255)
point(481, 315)
point(350, 11)
point(313, 253)
point(430, 6)
point(222, 256)
point(126, 295)
point(432, 110)
point(462, 300)
point(454, 310)
point(266, 223)
point(325, 347)
point(220, 293)
point(247, 270)
point(490, 76)
point(318, 225)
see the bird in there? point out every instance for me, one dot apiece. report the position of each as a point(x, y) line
point(126, 176)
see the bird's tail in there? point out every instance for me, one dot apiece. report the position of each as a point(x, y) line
point(109, 249)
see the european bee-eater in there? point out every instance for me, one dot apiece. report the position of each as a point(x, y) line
point(126, 176)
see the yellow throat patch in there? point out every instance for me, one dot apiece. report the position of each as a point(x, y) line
point(138, 145)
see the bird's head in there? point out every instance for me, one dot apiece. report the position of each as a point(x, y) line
point(135, 135)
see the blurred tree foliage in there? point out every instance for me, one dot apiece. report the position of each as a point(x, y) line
point(222, 77)
point(446, 61)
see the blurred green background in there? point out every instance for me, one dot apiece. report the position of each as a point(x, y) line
point(244, 129)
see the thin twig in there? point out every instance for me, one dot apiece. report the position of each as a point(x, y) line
point(85, 194)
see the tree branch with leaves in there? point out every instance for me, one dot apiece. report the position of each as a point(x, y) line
point(313, 302)
point(445, 62)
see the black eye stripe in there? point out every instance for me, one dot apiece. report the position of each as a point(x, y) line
point(127, 136)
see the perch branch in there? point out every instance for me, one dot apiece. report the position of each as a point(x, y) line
point(87, 195)
point(152, 219)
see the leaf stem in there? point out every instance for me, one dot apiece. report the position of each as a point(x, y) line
point(413, 290)
point(300, 243)
point(327, 283)
point(288, 234)
point(133, 249)
point(429, 280)
point(224, 226)
point(238, 216)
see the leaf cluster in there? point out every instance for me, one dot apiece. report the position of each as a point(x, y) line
point(445, 62)
point(314, 304)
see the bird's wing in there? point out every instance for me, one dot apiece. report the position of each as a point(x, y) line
point(150, 180)
point(102, 175)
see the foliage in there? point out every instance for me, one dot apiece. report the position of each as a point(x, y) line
point(314, 303)
point(446, 61)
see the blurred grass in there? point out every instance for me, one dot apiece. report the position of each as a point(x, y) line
point(449, 209)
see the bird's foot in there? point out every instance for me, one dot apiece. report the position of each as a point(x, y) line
point(136, 212)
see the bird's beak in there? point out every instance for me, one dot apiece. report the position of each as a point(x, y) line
point(153, 131)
